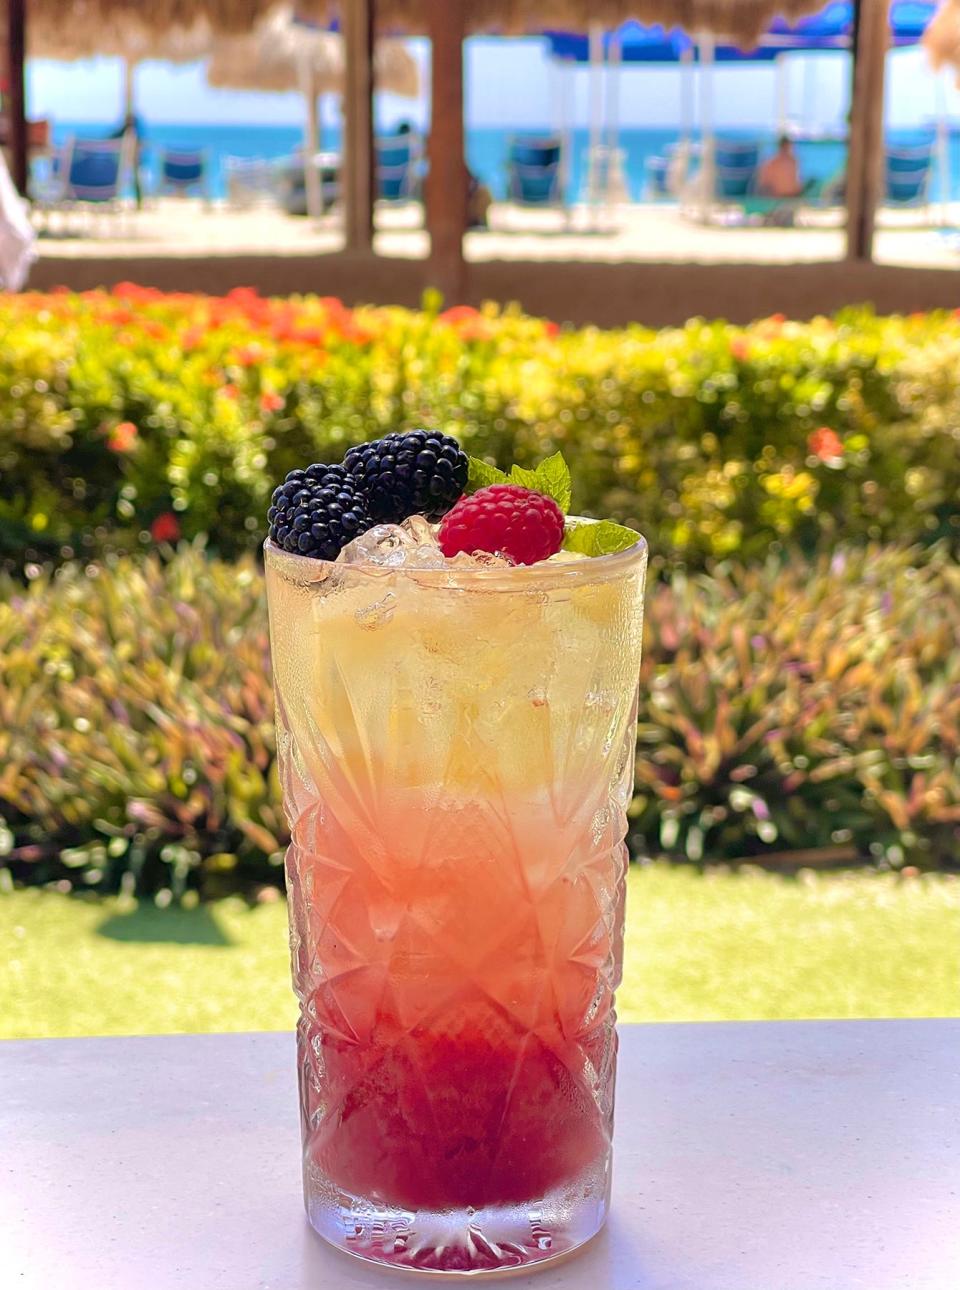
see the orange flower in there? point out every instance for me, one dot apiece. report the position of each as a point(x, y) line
point(457, 314)
point(230, 391)
point(165, 528)
point(740, 348)
point(551, 328)
point(271, 402)
point(123, 437)
point(131, 291)
point(825, 444)
point(191, 338)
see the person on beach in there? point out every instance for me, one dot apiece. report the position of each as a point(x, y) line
point(779, 176)
point(131, 127)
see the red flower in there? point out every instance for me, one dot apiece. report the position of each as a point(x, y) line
point(248, 355)
point(131, 291)
point(825, 444)
point(551, 328)
point(123, 437)
point(191, 338)
point(165, 528)
point(270, 402)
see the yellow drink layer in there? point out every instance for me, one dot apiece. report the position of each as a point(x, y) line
point(461, 685)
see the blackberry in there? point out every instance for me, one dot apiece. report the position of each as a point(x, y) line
point(317, 511)
point(421, 472)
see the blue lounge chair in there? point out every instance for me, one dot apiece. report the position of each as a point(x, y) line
point(398, 173)
point(907, 174)
point(734, 182)
point(736, 154)
point(94, 172)
point(183, 170)
point(86, 174)
point(533, 172)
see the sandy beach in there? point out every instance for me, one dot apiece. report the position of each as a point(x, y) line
point(631, 233)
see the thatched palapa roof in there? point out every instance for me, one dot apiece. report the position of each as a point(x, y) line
point(740, 20)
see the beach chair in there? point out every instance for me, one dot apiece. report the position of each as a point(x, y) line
point(398, 174)
point(733, 183)
point(183, 171)
point(86, 175)
point(95, 172)
point(533, 172)
point(249, 182)
point(292, 181)
point(907, 175)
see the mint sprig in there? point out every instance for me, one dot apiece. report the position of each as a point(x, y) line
point(602, 538)
point(481, 475)
point(552, 478)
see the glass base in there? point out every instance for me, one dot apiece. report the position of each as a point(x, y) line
point(495, 1238)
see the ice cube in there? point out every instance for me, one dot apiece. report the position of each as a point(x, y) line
point(370, 617)
point(410, 545)
point(420, 530)
point(480, 560)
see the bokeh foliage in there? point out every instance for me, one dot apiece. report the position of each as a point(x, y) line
point(117, 409)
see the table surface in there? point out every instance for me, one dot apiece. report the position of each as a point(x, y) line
point(762, 1156)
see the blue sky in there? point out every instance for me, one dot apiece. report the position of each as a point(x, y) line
point(509, 83)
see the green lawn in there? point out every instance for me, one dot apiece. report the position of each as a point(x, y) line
point(714, 947)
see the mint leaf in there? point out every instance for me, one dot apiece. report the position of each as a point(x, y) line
point(525, 478)
point(481, 475)
point(553, 478)
point(603, 538)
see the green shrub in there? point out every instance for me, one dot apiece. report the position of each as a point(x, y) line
point(117, 409)
point(783, 708)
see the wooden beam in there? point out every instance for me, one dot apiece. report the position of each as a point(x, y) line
point(865, 153)
point(447, 180)
point(17, 98)
point(358, 155)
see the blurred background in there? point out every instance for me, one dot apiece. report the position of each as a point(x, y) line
point(796, 825)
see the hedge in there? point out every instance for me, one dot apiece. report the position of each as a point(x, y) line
point(812, 711)
point(133, 417)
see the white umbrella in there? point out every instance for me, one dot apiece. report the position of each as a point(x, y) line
point(282, 54)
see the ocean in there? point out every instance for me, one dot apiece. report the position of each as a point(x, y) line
point(486, 150)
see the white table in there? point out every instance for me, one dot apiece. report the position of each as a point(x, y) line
point(770, 1156)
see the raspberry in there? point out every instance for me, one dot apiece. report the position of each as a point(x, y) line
point(517, 522)
point(317, 511)
point(421, 472)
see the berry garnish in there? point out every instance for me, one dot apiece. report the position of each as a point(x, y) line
point(506, 519)
point(317, 511)
point(421, 472)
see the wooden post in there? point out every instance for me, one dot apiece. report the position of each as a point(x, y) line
point(358, 165)
point(447, 180)
point(865, 152)
point(17, 99)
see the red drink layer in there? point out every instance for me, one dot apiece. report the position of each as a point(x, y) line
point(458, 1018)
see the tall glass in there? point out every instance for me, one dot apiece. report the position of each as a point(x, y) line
point(456, 753)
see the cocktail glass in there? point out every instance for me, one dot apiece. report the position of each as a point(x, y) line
point(456, 753)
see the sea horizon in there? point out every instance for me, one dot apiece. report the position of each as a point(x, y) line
point(487, 148)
